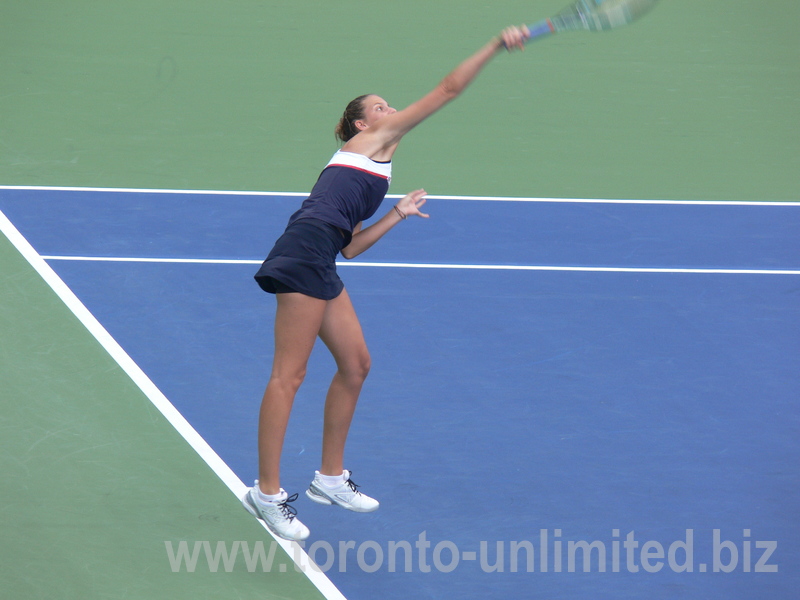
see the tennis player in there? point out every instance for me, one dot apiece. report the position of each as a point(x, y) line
point(312, 301)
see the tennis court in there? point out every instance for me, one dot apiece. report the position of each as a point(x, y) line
point(584, 377)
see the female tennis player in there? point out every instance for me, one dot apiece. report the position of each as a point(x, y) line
point(312, 301)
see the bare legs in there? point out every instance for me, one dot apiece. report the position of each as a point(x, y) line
point(298, 322)
point(341, 333)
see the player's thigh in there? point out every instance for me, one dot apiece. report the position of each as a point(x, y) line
point(298, 319)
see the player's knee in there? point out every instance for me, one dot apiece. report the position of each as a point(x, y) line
point(288, 382)
point(358, 366)
point(366, 364)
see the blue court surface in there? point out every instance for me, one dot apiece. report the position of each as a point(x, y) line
point(568, 399)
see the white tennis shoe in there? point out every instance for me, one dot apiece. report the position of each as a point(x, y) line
point(345, 495)
point(279, 516)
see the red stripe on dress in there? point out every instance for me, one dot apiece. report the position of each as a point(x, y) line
point(359, 169)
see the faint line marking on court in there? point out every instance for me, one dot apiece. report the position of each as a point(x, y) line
point(582, 269)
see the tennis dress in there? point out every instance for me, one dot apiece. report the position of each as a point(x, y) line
point(349, 190)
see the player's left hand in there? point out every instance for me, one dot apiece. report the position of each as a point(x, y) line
point(411, 203)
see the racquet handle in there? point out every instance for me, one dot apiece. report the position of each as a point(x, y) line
point(540, 29)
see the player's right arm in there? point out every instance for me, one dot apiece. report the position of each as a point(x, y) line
point(387, 133)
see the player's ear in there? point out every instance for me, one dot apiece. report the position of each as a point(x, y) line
point(360, 125)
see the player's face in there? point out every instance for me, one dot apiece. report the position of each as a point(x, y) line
point(375, 108)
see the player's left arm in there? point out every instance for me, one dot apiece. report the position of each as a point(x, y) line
point(363, 239)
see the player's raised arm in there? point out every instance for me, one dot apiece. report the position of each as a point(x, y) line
point(382, 127)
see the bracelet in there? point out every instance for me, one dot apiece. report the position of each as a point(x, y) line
point(400, 212)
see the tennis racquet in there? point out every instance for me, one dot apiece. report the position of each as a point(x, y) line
point(592, 15)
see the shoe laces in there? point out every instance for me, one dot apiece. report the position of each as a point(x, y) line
point(352, 484)
point(289, 512)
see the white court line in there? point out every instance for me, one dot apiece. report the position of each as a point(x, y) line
point(192, 261)
point(431, 197)
point(214, 261)
point(195, 440)
point(47, 188)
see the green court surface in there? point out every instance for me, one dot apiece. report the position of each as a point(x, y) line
point(95, 480)
point(697, 102)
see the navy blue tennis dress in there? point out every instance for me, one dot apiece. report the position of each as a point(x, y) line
point(349, 190)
